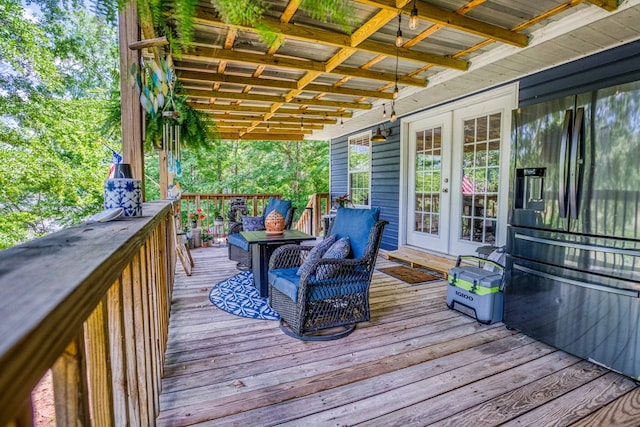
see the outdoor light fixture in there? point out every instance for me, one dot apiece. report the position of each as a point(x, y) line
point(381, 135)
point(413, 20)
point(393, 112)
point(341, 122)
point(399, 39)
point(378, 137)
point(384, 111)
point(268, 128)
point(301, 123)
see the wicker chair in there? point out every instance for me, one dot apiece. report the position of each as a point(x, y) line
point(324, 309)
point(238, 247)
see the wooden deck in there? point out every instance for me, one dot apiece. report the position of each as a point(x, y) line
point(415, 363)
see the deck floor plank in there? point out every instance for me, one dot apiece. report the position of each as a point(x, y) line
point(414, 363)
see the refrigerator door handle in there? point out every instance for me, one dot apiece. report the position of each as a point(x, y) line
point(574, 165)
point(564, 157)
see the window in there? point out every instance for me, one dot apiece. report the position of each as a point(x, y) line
point(428, 171)
point(480, 178)
point(360, 169)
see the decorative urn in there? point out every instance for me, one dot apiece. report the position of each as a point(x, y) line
point(274, 223)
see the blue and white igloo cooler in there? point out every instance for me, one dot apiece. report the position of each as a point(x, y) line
point(476, 291)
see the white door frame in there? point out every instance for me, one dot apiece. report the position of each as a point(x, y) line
point(507, 96)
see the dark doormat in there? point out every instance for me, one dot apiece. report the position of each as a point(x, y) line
point(409, 275)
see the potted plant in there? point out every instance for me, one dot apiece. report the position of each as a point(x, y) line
point(196, 216)
point(218, 219)
point(206, 238)
point(343, 201)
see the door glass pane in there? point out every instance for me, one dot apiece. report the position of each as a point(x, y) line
point(479, 192)
point(427, 179)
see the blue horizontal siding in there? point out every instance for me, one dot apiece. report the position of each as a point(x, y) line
point(615, 66)
point(385, 179)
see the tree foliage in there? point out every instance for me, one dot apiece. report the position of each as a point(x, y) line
point(58, 82)
point(56, 74)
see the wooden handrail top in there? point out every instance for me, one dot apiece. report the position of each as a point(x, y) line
point(214, 196)
point(49, 286)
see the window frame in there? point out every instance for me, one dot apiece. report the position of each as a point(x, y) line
point(357, 140)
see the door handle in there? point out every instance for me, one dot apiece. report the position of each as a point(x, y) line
point(575, 163)
point(564, 158)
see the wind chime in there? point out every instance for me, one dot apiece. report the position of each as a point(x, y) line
point(155, 85)
point(171, 125)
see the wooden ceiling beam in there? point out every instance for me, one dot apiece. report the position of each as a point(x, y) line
point(280, 84)
point(608, 5)
point(428, 12)
point(274, 99)
point(273, 125)
point(290, 111)
point(264, 136)
point(211, 55)
point(252, 118)
point(357, 41)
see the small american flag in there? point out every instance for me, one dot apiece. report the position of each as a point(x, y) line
point(115, 159)
point(467, 185)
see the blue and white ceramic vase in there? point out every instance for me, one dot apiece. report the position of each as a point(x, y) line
point(125, 193)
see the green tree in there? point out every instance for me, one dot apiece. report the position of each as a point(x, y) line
point(56, 70)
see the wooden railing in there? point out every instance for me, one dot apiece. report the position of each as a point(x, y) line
point(91, 303)
point(212, 203)
point(310, 221)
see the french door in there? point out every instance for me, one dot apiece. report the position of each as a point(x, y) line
point(457, 177)
point(428, 197)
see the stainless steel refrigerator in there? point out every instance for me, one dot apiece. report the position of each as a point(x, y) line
point(573, 249)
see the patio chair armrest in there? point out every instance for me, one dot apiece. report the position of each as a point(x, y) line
point(343, 268)
point(289, 256)
point(235, 228)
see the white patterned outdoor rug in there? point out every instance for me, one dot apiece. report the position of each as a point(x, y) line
point(238, 295)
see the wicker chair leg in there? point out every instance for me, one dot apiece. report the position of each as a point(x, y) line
point(342, 331)
point(242, 267)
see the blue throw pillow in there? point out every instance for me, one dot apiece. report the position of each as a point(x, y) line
point(339, 250)
point(357, 224)
point(252, 223)
point(282, 206)
point(315, 254)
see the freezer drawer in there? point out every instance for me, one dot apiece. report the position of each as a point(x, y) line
point(613, 259)
point(572, 311)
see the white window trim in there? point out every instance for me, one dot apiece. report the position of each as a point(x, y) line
point(366, 134)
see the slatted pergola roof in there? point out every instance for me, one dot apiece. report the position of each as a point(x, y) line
point(318, 76)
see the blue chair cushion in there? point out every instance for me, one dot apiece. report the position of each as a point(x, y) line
point(236, 239)
point(286, 281)
point(315, 254)
point(282, 206)
point(357, 224)
point(339, 250)
point(252, 223)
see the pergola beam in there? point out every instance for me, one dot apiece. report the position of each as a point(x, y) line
point(279, 84)
point(205, 54)
point(274, 99)
point(428, 12)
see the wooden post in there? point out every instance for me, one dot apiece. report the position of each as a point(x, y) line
point(165, 179)
point(131, 115)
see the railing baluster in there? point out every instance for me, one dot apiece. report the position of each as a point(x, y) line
point(70, 391)
point(97, 346)
point(117, 351)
